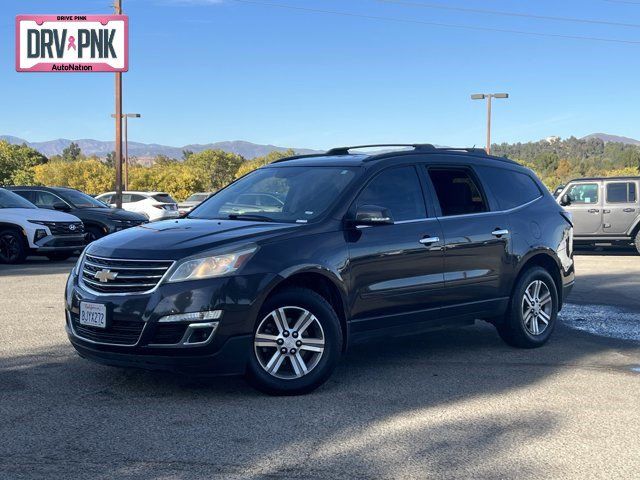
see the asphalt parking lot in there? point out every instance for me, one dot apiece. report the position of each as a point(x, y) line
point(452, 404)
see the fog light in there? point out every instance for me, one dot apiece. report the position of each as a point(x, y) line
point(192, 317)
point(199, 333)
point(40, 234)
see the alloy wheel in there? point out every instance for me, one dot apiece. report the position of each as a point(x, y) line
point(537, 307)
point(289, 342)
point(9, 247)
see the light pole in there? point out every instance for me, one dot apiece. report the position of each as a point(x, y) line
point(488, 96)
point(117, 5)
point(126, 117)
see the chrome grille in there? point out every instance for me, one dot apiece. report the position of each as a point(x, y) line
point(64, 228)
point(109, 275)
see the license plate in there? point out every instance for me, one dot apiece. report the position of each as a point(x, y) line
point(93, 314)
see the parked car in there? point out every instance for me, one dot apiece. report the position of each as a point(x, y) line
point(25, 229)
point(558, 190)
point(192, 202)
point(154, 205)
point(363, 246)
point(606, 211)
point(98, 219)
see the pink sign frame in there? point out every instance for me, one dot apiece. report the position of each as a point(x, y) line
point(75, 67)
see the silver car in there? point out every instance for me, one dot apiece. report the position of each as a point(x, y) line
point(606, 211)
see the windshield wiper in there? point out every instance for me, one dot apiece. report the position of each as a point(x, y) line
point(249, 216)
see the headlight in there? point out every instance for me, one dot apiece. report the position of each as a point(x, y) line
point(211, 266)
point(76, 267)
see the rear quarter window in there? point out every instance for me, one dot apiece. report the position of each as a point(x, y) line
point(510, 188)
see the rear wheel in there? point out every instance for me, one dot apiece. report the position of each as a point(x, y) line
point(637, 241)
point(533, 310)
point(12, 246)
point(296, 345)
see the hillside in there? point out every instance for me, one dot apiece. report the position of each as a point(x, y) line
point(100, 148)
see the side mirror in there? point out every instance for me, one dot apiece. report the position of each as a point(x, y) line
point(373, 215)
point(61, 206)
point(565, 200)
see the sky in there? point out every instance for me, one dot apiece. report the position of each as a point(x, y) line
point(371, 71)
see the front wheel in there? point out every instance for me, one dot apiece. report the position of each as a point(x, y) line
point(12, 246)
point(637, 241)
point(533, 310)
point(297, 343)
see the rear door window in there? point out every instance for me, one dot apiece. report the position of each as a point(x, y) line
point(585, 193)
point(397, 189)
point(621, 192)
point(458, 191)
point(510, 188)
point(27, 195)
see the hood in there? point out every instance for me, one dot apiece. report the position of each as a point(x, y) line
point(109, 213)
point(176, 239)
point(36, 214)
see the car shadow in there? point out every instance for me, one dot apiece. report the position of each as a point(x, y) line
point(38, 266)
point(400, 407)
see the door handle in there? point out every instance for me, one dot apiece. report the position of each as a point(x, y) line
point(429, 240)
point(499, 232)
point(593, 210)
point(629, 210)
point(606, 211)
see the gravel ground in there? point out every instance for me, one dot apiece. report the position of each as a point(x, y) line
point(452, 404)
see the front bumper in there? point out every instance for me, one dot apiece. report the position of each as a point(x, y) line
point(134, 337)
point(57, 243)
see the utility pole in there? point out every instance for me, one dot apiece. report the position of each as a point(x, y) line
point(488, 97)
point(118, 10)
point(126, 117)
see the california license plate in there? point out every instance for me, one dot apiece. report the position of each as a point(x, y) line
point(93, 314)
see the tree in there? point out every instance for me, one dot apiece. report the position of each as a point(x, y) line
point(110, 160)
point(71, 153)
point(89, 176)
point(258, 162)
point(186, 154)
point(214, 168)
point(17, 162)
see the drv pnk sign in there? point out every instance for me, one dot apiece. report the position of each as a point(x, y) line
point(72, 43)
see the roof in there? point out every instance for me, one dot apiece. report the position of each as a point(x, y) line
point(139, 192)
point(596, 179)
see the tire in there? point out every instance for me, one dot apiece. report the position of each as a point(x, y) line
point(13, 248)
point(93, 234)
point(320, 329)
point(637, 241)
point(521, 333)
point(59, 256)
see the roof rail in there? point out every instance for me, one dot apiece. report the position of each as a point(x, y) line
point(479, 151)
point(295, 157)
point(345, 150)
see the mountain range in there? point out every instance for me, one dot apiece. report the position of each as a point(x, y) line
point(147, 151)
point(150, 150)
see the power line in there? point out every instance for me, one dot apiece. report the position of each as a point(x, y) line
point(508, 14)
point(438, 24)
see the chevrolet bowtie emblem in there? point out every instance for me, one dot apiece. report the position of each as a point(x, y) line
point(105, 276)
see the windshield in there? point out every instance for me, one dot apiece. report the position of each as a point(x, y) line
point(81, 200)
point(11, 200)
point(282, 194)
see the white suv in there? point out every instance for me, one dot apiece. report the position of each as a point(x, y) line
point(155, 205)
point(26, 229)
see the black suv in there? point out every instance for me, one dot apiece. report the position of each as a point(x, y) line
point(98, 219)
point(356, 246)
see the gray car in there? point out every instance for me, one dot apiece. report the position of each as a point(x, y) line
point(192, 202)
point(606, 211)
